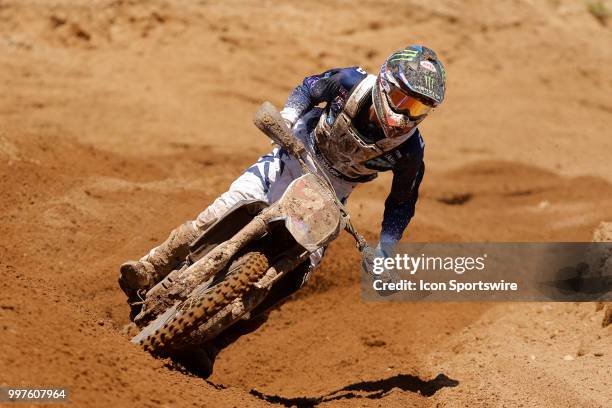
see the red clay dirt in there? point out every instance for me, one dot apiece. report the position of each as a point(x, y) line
point(121, 119)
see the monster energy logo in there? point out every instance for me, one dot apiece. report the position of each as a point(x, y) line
point(426, 91)
point(429, 82)
point(405, 55)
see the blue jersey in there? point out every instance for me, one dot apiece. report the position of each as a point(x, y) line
point(333, 88)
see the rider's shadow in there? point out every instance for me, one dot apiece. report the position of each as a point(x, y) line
point(367, 389)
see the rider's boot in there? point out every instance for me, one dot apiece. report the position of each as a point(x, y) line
point(153, 267)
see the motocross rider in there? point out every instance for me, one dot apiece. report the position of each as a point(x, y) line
point(368, 124)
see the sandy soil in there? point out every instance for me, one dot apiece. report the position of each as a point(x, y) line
point(120, 119)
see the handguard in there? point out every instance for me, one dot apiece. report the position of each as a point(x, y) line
point(269, 121)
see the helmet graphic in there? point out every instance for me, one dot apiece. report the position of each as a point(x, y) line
point(410, 84)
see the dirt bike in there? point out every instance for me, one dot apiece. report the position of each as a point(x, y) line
point(233, 265)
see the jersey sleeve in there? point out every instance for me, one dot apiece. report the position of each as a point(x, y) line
point(316, 89)
point(401, 201)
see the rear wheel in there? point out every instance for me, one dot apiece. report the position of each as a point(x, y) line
point(243, 273)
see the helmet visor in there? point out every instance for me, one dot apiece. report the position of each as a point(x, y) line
point(406, 104)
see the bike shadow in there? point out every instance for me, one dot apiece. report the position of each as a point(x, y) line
point(366, 389)
point(375, 389)
point(203, 365)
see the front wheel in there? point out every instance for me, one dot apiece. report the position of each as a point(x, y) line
point(241, 276)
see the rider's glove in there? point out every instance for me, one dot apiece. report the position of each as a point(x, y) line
point(368, 256)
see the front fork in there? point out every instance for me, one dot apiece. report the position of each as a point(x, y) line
point(359, 239)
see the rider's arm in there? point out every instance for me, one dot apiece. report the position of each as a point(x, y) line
point(320, 88)
point(401, 201)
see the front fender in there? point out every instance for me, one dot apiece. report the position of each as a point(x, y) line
point(311, 214)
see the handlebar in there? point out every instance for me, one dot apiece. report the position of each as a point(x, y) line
point(270, 122)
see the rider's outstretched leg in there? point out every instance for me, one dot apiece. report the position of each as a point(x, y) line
point(253, 184)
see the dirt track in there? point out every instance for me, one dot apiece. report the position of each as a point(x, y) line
point(119, 120)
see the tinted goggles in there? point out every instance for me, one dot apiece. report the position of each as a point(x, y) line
point(406, 104)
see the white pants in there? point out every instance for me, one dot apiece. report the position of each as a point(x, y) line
point(267, 180)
